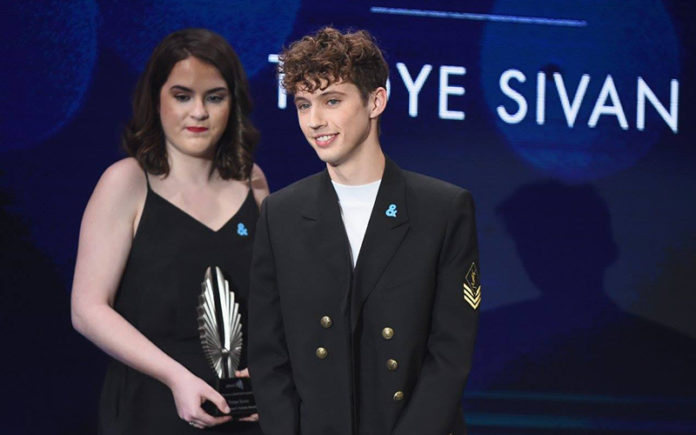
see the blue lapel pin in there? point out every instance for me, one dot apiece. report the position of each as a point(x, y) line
point(241, 230)
point(391, 211)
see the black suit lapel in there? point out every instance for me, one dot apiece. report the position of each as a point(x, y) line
point(326, 235)
point(386, 229)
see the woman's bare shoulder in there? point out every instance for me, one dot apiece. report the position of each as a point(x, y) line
point(123, 182)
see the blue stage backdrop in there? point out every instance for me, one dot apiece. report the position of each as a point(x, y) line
point(571, 122)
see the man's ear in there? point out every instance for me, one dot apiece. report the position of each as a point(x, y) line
point(377, 102)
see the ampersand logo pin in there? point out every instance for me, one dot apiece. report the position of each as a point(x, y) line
point(391, 211)
point(241, 230)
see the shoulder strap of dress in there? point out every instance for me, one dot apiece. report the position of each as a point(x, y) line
point(147, 180)
point(251, 189)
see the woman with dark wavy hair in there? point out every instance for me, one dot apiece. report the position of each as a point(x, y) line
point(187, 198)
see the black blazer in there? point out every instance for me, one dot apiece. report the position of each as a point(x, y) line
point(382, 349)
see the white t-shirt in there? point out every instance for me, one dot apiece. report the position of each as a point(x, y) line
point(356, 206)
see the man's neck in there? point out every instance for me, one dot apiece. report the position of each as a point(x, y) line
point(367, 169)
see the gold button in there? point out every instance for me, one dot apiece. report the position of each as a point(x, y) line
point(392, 365)
point(321, 353)
point(387, 333)
point(399, 395)
point(326, 322)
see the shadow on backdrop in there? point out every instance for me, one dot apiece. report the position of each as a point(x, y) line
point(573, 338)
point(50, 380)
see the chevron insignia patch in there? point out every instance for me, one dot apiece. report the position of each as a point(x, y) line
point(472, 287)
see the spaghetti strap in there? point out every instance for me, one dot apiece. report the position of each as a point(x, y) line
point(251, 189)
point(147, 180)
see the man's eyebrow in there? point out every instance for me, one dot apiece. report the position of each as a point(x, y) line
point(323, 94)
point(332, 92)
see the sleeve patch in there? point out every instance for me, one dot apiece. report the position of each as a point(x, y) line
point(472, 286)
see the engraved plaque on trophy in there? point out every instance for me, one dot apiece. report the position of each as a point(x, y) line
point(220, 331)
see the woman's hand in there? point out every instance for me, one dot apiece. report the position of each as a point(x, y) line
point(189, 393)
point(245, 374)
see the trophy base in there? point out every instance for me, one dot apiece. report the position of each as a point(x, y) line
point(237, 393)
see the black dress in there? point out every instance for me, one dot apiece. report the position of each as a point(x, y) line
point(158, 295)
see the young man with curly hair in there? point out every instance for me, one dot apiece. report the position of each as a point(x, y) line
point(365, 287)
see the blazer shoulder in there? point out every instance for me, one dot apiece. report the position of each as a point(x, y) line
point(295, 193)
point(438, 190)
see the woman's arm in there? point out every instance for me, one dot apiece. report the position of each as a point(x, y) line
point(106, 235)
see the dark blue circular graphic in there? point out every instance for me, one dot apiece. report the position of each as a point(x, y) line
point(255, 29)
point(606, 57)
point(48, 60)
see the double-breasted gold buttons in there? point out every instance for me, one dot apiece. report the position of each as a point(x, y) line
point(387, 333)
point(326, 322)
point(392, 365)
point(398, 396)
point(321, 353)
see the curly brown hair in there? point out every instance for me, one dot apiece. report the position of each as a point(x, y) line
point(316, 61)
point(143, 137)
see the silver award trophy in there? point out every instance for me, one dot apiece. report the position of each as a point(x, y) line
point(220, 331)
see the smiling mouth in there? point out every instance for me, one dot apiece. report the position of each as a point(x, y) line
point(325, 139)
